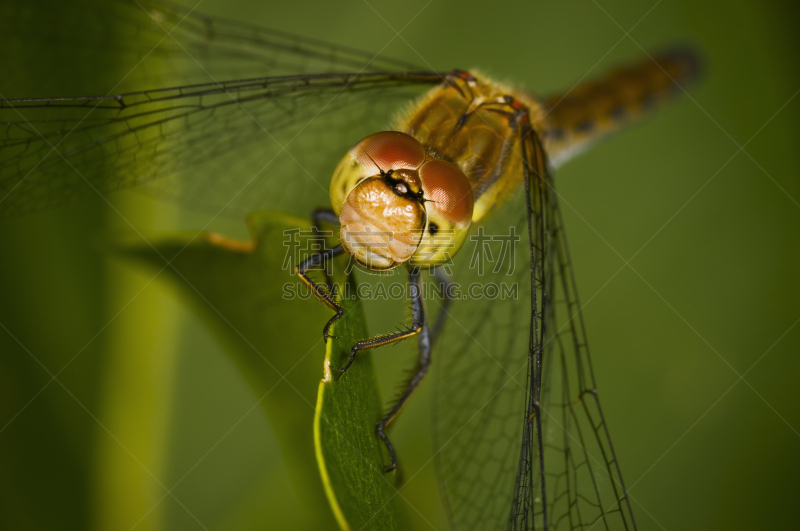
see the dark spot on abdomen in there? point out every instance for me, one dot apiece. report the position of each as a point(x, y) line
point(619, 112)
point(586, 126)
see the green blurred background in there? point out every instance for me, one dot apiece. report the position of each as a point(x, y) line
point(112, 392)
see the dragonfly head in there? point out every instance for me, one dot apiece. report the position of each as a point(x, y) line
point(396, 204)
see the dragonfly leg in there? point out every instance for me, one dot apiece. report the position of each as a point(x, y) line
point(506, 105)
point(323, 215)
point(417, 322)
point(424, 341)
point(318, 217)
point(321, 292)
point(467, 84)
point(445, 283)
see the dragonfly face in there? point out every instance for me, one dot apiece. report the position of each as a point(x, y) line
point(415, 209)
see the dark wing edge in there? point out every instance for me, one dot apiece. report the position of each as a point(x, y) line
point(574, 477)
point(241, 39)
point(531, 468)
point(143, 29)
point(520, 441)
point(582, 410)
point(139, 99)
point(51, 149)
point(54, 150)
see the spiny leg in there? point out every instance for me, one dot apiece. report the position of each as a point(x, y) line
point(506, 105)
point(466, 84)
point(318, 217)
point(323, 215)
point(420, 326)
point(417, 322)
point(321, 292)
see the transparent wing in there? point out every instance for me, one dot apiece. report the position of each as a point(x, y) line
point(162, 44)
point(272, 140)
point(481, 364)
point(237, 145)
point(521, 440)
point(585, 488)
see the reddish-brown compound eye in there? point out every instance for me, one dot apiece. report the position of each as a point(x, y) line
point(389, 150)
point(447, 193)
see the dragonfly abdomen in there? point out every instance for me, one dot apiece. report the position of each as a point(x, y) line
point(575, 119)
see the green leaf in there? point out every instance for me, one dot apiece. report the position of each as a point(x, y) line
point(349, 453)
point(249, 298)
point(237, 290)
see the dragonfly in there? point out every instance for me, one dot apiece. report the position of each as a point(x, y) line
point(520, 438)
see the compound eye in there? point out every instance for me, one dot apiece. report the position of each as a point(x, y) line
point(389, 150)
point(448, 194)
point(378, 154)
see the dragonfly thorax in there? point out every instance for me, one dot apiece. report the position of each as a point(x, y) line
point(397, 204)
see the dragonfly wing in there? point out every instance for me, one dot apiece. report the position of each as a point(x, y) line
point(529, 504)
point(239, 145)
point(585, 489)
point(521, 441)
point(480, 365)
point(154, 43)
point(276, 140)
